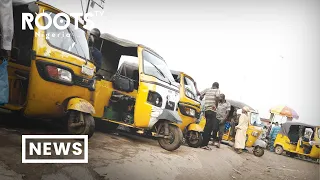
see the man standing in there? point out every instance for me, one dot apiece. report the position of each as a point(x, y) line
point(210, 104)
point(273, 134)
point(269, 128)
point(240, 139)
point(96, 54)
point(6, 27)
point(223, 110)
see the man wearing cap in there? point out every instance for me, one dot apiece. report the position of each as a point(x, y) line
point(96, 54)
point(240, 139)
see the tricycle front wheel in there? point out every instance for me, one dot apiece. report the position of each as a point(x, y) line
point(194, 139)
point(278, 149)
point(174, 140)
point(258, 151)
point(80, 123)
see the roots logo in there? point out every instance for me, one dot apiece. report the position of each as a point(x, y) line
point(60, 21)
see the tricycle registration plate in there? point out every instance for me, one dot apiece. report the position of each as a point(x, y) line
point(87, 70)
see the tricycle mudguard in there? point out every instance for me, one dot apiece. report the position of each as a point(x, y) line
point(169, 115)
point(81, 105)
point(260, 143)
point(195, 127)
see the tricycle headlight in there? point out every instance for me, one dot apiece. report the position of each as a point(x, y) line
point(187, 111)
point(154, 98)
point(192, 112)
point(59, 74)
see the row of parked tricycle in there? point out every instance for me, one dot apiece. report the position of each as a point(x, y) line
point(54, 77)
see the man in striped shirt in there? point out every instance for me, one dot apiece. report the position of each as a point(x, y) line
point(210, 95)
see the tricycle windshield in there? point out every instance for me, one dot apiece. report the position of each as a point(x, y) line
point(154, 66)
point(71, 40)
point(255, 119)
point(190, 89)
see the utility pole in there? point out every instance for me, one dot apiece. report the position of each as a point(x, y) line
point(93, 2)
point(88, 6)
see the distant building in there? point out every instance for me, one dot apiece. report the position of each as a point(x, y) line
point(265, 121)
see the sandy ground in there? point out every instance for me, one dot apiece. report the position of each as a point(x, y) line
point(120, 156)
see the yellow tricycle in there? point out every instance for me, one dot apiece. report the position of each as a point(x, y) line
point(299, 139)
point(50, 73)
point(136, 89)
point(189, 109)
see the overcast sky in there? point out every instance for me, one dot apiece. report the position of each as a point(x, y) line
point(264, 53)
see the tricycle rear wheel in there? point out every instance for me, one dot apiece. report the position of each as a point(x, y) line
point(194, 139)
point(258, 151)
point(175, 138)
point(86, 128)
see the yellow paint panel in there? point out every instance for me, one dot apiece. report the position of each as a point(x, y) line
point(143, 109)
point(251, 139)
point(46, 98)
point(202, 122)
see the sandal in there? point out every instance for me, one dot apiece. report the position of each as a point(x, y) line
point(206, 148)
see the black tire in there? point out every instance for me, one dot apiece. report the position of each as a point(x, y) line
point(278, 149)
point(258, 151)
point(91, 125)
point(175, 142)
point(86, 129)
point(195, 143)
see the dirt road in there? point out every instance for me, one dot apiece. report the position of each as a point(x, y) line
point(123, 156)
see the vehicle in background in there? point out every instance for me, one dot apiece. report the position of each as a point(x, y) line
point(189, 109)
point(298, 139)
